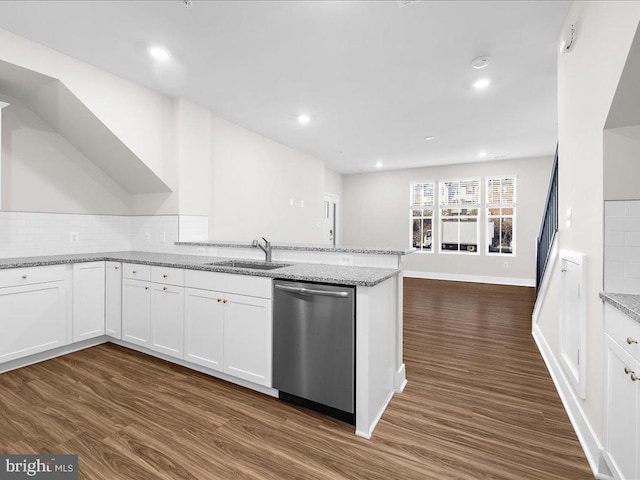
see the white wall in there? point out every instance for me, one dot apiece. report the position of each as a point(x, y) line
point(587, 80)
point(254, 182)
point(139, 117)
point(376, 213)
point(622, 163)
point(43, 172)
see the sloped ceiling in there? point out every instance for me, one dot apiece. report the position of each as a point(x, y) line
point(61, 109)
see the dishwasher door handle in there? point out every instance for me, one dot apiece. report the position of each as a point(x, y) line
point(309, 291)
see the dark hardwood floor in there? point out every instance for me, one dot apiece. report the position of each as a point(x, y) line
point(479, 405)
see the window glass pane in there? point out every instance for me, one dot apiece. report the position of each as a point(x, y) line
point(450, 212)
point(469, 234)
point(449, 240)
point(469, 211)
point(416, 213)
point(493, 211)
point(493, 235)
point(417, 232)
point(506, 235)
point(507, 211)
point(422, 194)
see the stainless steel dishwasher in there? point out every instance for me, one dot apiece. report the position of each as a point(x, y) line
point(314, 346)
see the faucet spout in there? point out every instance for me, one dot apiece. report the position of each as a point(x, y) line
point(266, 248)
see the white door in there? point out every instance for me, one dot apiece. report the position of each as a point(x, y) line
point(113, 300)
point(203, 316)
point(136, 311)
point(88, 300)
point(330, 216)
point(167, 319)
point(33, 318)
point(622, 416)
point(247, 338)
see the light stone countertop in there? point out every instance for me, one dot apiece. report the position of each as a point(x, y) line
point(628, 304)
point(303, 247)
point(304, 272)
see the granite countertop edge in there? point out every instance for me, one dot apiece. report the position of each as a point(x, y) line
point(304, 248)
point(305, 272)
point(627, 303)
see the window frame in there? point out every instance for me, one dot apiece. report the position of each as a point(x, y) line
point(513, 205)
point(423, 207)
point(477, 206)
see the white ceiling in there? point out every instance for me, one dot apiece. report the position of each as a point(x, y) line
point(375, 78)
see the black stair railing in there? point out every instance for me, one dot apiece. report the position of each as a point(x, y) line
point(549, 225)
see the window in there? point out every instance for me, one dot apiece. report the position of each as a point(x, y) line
point(459, 209)
point(421, 214)
point(501, 215)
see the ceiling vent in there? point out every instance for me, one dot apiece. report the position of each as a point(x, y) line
point(404, 3)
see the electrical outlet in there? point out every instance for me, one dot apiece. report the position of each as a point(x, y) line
point(291, 202)
point(147, 237)
point(346, 260)
point(74, 237)
point(163, 237)
point(200, 250)
point(301, 203)
point(505, 265)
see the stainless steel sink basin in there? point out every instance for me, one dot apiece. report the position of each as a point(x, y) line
point(250, 265)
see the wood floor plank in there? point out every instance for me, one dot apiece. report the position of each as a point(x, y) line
point(479, 405)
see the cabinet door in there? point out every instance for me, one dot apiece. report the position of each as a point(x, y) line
point(33, 318)
point(247, 338)
point(203, 328)
point(136, 311)
point(621, 411)
point(167, 319)
point(88, 300)
point(113, 301)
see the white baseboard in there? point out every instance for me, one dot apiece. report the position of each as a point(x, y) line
point(49, 354)
point(400, 379)
point(192, 366)
point(587, 437)
point(372, 427)
point(458, 277)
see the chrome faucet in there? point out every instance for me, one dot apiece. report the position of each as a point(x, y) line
point(266, 249)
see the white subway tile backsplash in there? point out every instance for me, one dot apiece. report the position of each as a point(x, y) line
point(622, 246)
point(614, 238)
point(614, 209)
point(622, 224)
point(26, 234)
point(632, 208)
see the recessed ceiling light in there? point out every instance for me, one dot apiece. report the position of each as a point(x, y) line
point(159, 53)
point(482, 154)
point(303, 119)
point(378, 164)
point(429, 137)
point(480, 62)
point(482, 83)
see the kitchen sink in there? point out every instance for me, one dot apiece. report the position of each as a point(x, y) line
point(250, 265)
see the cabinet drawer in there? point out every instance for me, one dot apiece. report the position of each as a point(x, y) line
point(170, 276)
point(135, 271)
point(13, 277)
point(228, 282)
point(622, 330)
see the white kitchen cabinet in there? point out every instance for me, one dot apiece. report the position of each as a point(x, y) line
point(136, 311)
point(33, 311)
point(88, 300)
point(247, 338)
point(229, 333)
point(622, 397)
point(113, 299)
point(167, 319)
point(203, 315)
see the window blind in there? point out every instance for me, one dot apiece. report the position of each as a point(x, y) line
point(459, 192)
